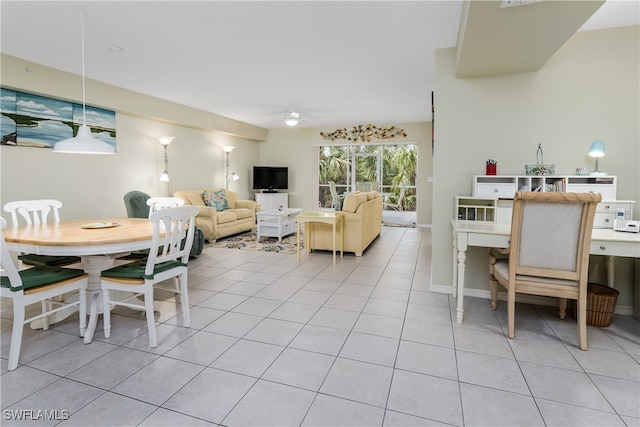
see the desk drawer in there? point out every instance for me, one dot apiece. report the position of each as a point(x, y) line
point(505, 190)
point(608, 191)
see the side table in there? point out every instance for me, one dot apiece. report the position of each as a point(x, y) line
point(276, 223)
point(333, 218)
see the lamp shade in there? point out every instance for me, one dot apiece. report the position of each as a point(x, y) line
point(166, 140)
point(596, 149)
point(83, 143)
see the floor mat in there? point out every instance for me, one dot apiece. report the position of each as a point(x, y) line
point(248, 241)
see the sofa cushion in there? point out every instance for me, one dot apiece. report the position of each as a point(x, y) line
point(217, 199)
point(195, 198)
point(243, 212)
point(226, 216)
point(353, 201)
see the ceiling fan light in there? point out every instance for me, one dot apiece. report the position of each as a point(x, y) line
point(292, 118)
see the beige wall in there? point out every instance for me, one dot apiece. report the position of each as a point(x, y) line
point(588, 90)
point(93, 186)
point(296, 148)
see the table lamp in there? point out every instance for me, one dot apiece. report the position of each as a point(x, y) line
point(597, 150)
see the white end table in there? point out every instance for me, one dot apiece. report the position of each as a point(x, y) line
point(277, 223)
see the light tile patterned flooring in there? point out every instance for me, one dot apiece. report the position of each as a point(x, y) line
point(364, 343)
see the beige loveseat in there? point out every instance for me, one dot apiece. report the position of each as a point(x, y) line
point(363, 223)
point(238, 217)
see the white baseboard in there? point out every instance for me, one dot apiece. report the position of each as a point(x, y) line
point(625, 310)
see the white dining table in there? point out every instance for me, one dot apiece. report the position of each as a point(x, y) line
point(605, 242)
point(98, 242)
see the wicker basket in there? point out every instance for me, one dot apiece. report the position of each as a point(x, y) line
point(601, 303)
point(540, 168)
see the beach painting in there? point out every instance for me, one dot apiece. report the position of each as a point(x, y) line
point(38, 121)
point(8, 116)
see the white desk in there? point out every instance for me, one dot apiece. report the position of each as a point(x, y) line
point(465, 233)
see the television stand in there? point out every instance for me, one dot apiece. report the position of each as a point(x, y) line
point(270, 190)
point(271, 201)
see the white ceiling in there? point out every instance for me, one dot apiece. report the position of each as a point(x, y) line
point(335, 62)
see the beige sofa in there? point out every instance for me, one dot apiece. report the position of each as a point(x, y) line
point(239, 217)
point(363, 223)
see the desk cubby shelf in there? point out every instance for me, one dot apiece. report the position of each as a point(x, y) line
point(476, 209)
point(505, 186)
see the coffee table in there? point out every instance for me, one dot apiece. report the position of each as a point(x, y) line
point(277, 223)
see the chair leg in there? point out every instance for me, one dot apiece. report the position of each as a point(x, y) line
point(151, 320)
point(106, 312)
point(511, 313)
point(493, 283)
point(16, 335)
point(82, 309)
point(184, 299)
point(582, 323)
point(562, 307)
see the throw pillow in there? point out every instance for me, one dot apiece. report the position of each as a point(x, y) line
point(217, 199)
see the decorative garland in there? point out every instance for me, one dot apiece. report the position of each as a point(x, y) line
point(365, 133)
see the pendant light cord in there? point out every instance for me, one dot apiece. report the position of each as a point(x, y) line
point(84, 107)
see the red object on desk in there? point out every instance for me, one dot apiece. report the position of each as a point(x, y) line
point(491, 168)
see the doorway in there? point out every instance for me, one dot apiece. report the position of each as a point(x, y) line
point(386, 168)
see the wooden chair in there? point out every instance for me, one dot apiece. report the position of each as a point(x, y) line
point(37, 212)
point(38, 284)
point(168, 259)
point(397, 205)
point(548, 253)
point(157, 203)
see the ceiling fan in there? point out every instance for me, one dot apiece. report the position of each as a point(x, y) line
point(292, 118)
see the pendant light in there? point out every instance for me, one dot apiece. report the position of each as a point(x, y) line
point(83, 142)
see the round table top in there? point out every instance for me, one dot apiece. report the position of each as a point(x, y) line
point(72, 233)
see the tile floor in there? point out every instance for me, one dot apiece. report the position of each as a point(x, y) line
point(364, 343)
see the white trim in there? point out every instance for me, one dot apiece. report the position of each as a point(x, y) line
point(625, 310)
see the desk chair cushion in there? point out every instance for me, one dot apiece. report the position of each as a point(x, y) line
point(502, 270)
point(135, 270)
point(38, 276)
point(48, 260)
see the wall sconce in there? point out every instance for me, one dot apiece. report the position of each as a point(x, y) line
point(234, 176)
point(597, 150)
point(165, 141)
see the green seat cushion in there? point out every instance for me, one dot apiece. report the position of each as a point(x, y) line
point(135, 270)
point(135, 255)
point(48, 260)
point(39, 276)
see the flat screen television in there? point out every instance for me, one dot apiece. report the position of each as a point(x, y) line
point(270, 178)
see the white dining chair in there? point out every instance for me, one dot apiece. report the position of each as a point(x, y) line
point(168, 259)
point(33, 212)
point(38, 284)
point(157, 203)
